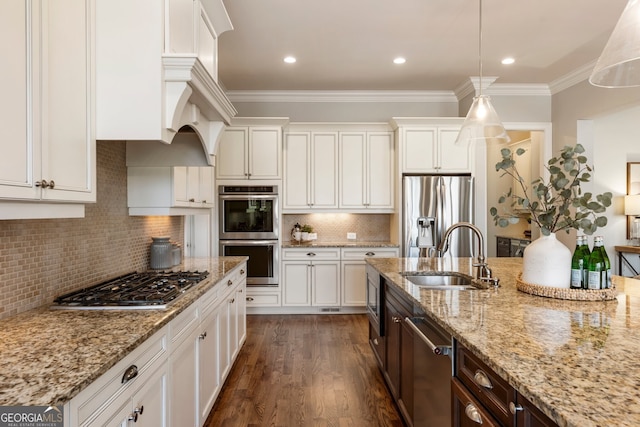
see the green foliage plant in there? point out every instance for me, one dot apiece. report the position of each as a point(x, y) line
point(558, 204)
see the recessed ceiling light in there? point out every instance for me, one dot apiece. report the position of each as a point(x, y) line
point(399, 60)
point(508, 61)
point(289, 59)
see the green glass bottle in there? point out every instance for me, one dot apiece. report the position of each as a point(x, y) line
point(586, 253)
point(577, 265)
point(597, 268)
point(607, 263)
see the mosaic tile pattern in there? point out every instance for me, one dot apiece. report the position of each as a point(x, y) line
point(40, 259)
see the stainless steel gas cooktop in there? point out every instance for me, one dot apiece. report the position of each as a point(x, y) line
point(147, 290)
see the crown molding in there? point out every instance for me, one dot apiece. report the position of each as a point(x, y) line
point(576, 76)
point(472, 87)
point(341, 96)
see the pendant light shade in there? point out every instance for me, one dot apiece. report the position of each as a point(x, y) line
point(619, 62)
point(482, 121)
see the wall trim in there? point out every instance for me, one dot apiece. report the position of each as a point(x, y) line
point(341, 96)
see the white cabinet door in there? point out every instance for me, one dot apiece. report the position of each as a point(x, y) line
point(208, 363)
point(232, 154)
point(49, 144)
point(324, 170)
point(366, 171)
point(206, 195)
point(224, 355)
point(241, 313)
point(419, 150)
point(353, 170)
point(380, 171)
point(180, 186)
point(151, 401)
point(183, 382)
point(354, 283)
point(325, 277)
point(265, 153)
point(453, 157)
point(296, 283)
point(297, 188)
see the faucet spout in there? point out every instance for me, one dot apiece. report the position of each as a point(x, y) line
point(483, 272)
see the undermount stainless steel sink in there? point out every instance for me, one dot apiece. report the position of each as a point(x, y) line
point(439, 281)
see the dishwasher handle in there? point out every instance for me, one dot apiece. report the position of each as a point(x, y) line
point(444, 350)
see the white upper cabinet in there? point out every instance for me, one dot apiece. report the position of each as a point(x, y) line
point(311, 171)
point(251, 149)
point(156, 70)
point(169, 190)
point(48, 142)
point(428, 146)
point(366, 171)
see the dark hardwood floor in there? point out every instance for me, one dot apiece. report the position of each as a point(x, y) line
point(305, 370)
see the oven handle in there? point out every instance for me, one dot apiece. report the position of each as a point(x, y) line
point(248, 197)
point(249, 242)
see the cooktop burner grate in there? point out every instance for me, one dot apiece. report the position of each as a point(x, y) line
point(150, 289)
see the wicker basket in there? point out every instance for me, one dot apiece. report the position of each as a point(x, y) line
point(567, 294)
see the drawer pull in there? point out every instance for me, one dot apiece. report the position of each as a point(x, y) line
point(230, 282)
point(249, 298)
point(514, 408)
point(482, 380)
point(370, 253)
point(438, 350)
point(130, 373)
point(396, 319)
point(311, 254)
point(472, 413)
point(375, 341)
point(241, 271)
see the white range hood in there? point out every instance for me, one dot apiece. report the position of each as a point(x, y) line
point(156, 79)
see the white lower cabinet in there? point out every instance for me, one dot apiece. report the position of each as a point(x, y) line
point(176, 375)
point(311, 277)
point(353, 275)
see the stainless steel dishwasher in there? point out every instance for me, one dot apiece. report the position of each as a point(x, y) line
point(432, 371)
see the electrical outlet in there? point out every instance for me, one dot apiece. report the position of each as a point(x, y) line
point(351, 236)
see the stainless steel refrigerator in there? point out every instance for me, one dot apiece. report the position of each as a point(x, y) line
point(430, 205)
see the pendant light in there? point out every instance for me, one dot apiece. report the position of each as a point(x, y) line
point(482, 121)
point(619, 62)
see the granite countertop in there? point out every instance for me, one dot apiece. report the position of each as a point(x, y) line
point(576, 361)
point(48, 356)
point(338, 244)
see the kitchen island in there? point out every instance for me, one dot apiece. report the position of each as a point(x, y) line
point(576, 361)
point(48, 356)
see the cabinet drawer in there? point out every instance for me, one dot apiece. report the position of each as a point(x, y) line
point(263, 300)
point(488, 387)
point(183, 323)
point(309, 254)
point(109, 387)
point(362, 253)
point(466, 410)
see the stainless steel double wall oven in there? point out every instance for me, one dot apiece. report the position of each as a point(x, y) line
point(248, 218)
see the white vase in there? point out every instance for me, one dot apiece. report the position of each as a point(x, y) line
point(547, 262)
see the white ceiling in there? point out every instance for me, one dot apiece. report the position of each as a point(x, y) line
point(350, 44)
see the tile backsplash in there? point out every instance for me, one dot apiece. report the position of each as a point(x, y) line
point(40, 259)
point(333, 227)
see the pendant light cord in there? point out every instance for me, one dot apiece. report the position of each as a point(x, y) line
point(480, 49)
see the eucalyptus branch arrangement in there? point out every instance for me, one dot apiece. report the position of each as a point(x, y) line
point(558, 204)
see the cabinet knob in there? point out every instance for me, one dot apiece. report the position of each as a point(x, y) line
point(192, 200)
point(249, 299)
point(472, 413)
point(43, 183)
point(52, 184)
point(230, 282)
point(203, 335)
point(482, 379)
point(396, 319)
point(204, 201)
point(232, 301)
point(515, 407)
point(375, 341)
point(241, 271)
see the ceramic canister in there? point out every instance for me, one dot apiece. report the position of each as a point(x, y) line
point(161, 254)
